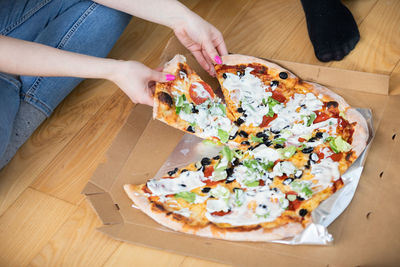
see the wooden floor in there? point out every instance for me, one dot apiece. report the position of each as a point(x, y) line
point(44, 218)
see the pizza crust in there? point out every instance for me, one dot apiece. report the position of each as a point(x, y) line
point(210, 231)
point(236, 59)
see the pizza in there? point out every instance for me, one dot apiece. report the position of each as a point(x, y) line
point(294, 140)
point(189, 104)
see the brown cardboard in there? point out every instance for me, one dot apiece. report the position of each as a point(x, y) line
point(366, 234)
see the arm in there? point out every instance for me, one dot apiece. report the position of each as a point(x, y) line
point(200, 37)
point(132, 77)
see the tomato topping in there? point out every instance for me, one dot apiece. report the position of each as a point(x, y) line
point(266, 120)
point(146, 189)
point(220, 213)
point(200, 99)
point(208, 171)
point(320, 155)
point(211, 183)
point(261, 183)
point(321, 117)
point(170, 195)
point(301, 139)
point(336, 156)
point(278, 96)
point(294, 205)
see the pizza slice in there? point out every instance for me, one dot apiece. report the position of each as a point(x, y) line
point(190, 104)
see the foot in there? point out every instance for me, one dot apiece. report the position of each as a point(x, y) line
point(331, 27)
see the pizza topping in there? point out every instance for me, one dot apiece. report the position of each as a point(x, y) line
point(283, 75)
point(303, 212)
point(200, 92)
point(188, 196)
point(339, 145)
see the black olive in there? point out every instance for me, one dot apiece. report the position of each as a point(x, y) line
point(165, 98)
point(184, 170)
point(319, 135)
point(170, 173)
point(183, 70)
point(239, 121)
point(308, 165)
point(259, 144)
point(229, 171)
point(212, 197)
point(298, 174)
point(240, 110)
point(277, 136)
point(245, 115)
point(195, 110)
point(307, 150)
point(299, 198)
point(275, 189)
point(274, 83)
point(332, 104)
point(236, 188)
point(235, 162)
point(190, 129)
point(240, 74)
point(205, 161)
point(275, 132)
point(243, 134)
point(206, 189)
point(312, 139)
point(314, 157)
point(183, 185)
point(217, 157)
point(246, 143)
point(303, 105)
point(287, 181)
point(224, 76)
point(303, 212)
point(261, 135)
point(279, 146)
point(267, 142)
point(283, 75)
point(231, 137)
point(229, 180)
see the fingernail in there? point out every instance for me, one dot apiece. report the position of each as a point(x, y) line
point(170, 77)
point(218, 60)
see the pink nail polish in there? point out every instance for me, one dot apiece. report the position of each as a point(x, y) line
point(170, 77)
point(218, 60)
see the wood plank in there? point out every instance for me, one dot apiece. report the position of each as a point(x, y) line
point(264, 28)
point(394, 84)
point(51, 137)
point(194, 262)
point(131, 255)
point(297, 47)
point(28, 225)
point(71, 169)
point(379, 48)
point(77, 242)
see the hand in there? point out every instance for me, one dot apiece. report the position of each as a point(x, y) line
point(138, 81)
point(202, 39)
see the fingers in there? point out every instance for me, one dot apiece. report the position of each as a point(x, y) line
point(212, 52)
point(221, 46)
point(160, 76)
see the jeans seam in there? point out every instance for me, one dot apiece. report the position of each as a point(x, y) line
point(31, 91)
point(29, 14)
point(11, 81)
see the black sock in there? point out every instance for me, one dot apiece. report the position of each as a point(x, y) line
point(331, 27)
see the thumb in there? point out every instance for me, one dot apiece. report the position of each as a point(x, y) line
point(161, 76)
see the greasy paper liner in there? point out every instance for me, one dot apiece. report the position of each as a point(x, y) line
point(191, 149)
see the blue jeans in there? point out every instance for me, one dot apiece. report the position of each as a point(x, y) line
point(73, 25)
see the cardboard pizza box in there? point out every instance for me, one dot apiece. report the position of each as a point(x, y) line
point(366, 234)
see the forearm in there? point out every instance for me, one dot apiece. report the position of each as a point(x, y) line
point(32, 59)
point(166, 12)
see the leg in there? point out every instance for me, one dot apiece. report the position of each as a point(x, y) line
point(331, 27)
point(84, 27)
point(9, 104)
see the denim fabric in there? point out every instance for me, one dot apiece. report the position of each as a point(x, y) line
point(73, 25)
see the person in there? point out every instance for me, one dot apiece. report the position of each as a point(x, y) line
point(54, 44)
